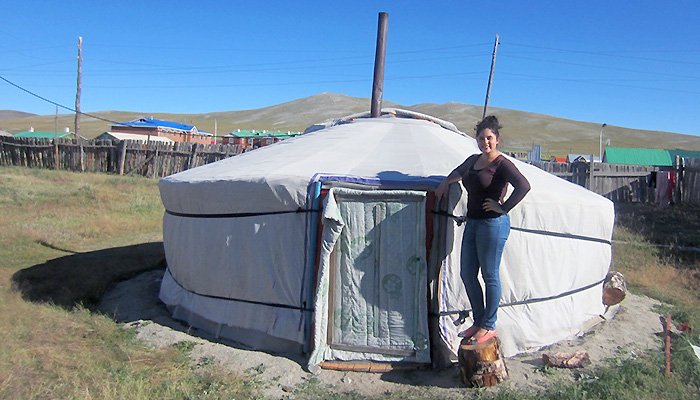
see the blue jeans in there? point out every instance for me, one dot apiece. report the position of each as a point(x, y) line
point(482, 248)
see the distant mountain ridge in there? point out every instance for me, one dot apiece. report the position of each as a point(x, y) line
point(7, 114)
point(521, 129)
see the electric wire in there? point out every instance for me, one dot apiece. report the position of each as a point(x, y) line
point(606, 54)
point(57, 104)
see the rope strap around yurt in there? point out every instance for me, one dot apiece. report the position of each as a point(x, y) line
point(462, 314)
point(262, 303)
point(239, 215)
point(460, 219)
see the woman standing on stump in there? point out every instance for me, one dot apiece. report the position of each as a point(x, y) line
point(486, 177)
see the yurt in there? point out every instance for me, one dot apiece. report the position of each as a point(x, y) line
point(331, 244)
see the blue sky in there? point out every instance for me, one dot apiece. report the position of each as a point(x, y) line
point(626, 63)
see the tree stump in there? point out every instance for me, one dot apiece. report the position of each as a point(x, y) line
point(481, 364)
point(614, 288)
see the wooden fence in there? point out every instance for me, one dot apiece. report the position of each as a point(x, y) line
point(629, 183)
point(690, 181)
point(619, 183)
point(154, 159)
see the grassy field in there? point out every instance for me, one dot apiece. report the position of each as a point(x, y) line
point(55, 346)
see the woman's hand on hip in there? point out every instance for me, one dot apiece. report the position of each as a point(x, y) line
point(492, 205)
point(441, 190)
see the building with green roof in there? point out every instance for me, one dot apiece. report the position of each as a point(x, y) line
point(637, 156)
point(684, 153)
point(251, 138)
point(42, 135)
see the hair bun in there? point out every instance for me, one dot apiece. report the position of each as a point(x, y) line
point(489, 122)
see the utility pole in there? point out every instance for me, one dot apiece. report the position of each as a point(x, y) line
point(78, 86)
point(600, 142)
point(493, 66)
point(379, 59)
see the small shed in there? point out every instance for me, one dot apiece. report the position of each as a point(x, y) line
point(581, 158)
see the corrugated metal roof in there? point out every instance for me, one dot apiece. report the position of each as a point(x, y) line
point(41, 135)
point(581, 157)
point(684, 153)
point(252, 133)
point(636, 156)
point(153, 123)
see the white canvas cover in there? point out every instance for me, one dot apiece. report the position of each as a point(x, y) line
point(241, 238)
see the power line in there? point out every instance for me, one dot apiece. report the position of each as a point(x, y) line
point(599, 67)
point(606, 54)
point(57, 104)
point(549, 78)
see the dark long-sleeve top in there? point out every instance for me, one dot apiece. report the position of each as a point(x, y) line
point(491, 182)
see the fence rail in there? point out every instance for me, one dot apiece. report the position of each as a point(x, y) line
point(619, 183)
point(154, 159)
point(630, 183)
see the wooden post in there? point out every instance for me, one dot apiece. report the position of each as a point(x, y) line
point(481, 364)
point(28, 152)
point(493, 66)
point(667, 342)
point(379, 60)
point(155, 162)
point(676, 198)
point(122, 156)
point(193, 154)
point(78, 86)
point(56, 160)
point(591, 167)
point(82, 156)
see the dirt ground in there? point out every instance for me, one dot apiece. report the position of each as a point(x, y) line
point(634, 328)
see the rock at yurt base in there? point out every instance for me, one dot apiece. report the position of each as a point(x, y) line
point(614, 288)
point(481, 364)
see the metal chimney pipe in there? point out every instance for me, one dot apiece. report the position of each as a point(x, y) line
point(379, 58)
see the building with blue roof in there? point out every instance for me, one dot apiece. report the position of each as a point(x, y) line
point(172, 130)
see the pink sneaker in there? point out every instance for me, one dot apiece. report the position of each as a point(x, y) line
point(484, 338)
point(469, 332)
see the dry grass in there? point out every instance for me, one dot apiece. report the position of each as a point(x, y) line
point(64, 238)
point(665, 273)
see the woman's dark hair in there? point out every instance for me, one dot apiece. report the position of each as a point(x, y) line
point(490, 122)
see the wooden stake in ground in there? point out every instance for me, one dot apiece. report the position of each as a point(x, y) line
point(667, 330)
point(481, 364)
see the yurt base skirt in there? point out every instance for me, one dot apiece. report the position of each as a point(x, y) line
point(237, 337)
point(182, 305)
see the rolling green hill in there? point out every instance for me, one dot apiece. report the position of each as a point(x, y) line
point(521, 129)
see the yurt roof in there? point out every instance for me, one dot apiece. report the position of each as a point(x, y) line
point(385, 150)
